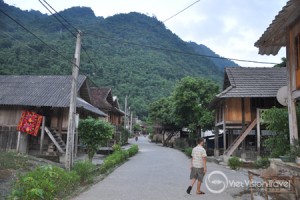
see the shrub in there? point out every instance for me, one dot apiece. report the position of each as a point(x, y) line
point(118, 157)
point(93, 133)
point(116, 147)
point(262, 163)
point(134, 149)
point(188, 151)
point(234, 163)
point(85, 170)
point(45, 182)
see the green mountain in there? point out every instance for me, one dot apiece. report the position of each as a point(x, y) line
point(133, 53)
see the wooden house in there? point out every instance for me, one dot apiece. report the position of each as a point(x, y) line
point(48, 96)
point(103, 99)
point(284, 31)
point(246, 91)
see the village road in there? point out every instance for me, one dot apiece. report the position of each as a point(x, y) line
point(159, 173)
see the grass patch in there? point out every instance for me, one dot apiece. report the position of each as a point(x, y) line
point(235, 163)
point(11, 160)
point(45, 182)
point(188, 151)
point(85, 170)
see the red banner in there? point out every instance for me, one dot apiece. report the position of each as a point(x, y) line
point(30, 123)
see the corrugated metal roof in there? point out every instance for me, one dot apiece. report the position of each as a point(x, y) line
point(30, 90)
point(275, 36)
point(85, 105)
point(254, 82)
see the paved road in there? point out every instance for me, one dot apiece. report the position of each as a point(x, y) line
point(156, 173)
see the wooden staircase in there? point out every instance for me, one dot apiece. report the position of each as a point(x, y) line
point(57, 140)
point(234, 145)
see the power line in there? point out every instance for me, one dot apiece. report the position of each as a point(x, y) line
point(84, 49)
point(149, 46)
point(182, 52)
point(37, 37)
point(28, 46)
point(60, 15)
point(181, 11)
point(58, 19)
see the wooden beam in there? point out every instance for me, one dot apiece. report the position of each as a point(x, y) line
point(42, 135)
point(291, 85)
point(18, 141)
point(224, 129)
point(243, 122)
point(258, 130)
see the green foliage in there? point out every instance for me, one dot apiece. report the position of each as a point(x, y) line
point(149, 73)
point(277, 121)
point(262, 163)
point(137, 127)
point(234, 163)
point(10, 160)
point(188, 151)
point(192, 97)
point(45, 182)
point(117, 158)
point(85, 170)
point(116, 147)
point(134, 149)
point(162, 111)
point(295, 150)
point(93, 133)
point(124, 136)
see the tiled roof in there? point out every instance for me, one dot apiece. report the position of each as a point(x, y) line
point(48, 91)
point(275, 36)
point(253, 82)
point(100, 98)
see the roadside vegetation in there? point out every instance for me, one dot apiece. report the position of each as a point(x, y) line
point(50, 182)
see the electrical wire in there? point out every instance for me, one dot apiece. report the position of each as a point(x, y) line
point(15, 39)
point(154, 47)
point(181, 52)
point(180, 11)
point(58, 19)
point(77, 30)
point(42, 41)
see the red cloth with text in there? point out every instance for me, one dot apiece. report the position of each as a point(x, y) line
point(30, 123)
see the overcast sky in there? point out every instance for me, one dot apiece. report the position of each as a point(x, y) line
point(228, 27)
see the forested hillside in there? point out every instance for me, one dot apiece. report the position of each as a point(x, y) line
point(128, 52)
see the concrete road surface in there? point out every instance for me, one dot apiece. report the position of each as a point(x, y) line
point(160, 173)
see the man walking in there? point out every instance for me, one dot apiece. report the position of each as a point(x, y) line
point(198, 166)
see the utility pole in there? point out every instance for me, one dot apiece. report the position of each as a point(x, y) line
point(125, 118)
point(130, 123)
point(72, 109)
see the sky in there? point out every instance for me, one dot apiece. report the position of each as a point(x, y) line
point(228, 27)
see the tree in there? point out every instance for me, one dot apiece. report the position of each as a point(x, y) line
point(282, 64)
point(277, 121)
point(94, 133)
point(192, 97)
point(162, 112)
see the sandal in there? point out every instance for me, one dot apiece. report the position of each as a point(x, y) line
point(200, 192)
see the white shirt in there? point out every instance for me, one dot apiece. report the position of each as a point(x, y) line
point(198, 154)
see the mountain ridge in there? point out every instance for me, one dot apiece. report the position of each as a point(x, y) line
point(133, 53)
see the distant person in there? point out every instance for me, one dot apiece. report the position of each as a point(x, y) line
point(136, 137)
point(198, 166)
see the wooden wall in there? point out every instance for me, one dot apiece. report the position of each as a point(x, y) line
point(9, 119)
point(233, 110)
